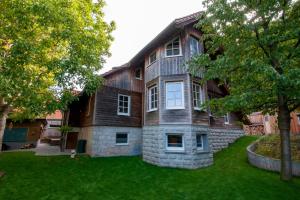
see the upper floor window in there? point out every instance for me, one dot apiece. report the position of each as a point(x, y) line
point(226, 118)
point(138, 74)
point(173, 48)
point(194, 46)
point(123, 105)
point(152, 98)
point(198, 96)
point(174, 95)
point(152, 58)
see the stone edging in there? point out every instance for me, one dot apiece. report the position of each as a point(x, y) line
point(267, 163)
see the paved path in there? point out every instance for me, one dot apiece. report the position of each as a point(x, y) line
point(44, 149)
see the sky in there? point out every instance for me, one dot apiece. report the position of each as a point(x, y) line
point(139, 21)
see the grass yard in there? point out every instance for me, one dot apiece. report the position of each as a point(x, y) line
point(231, 177)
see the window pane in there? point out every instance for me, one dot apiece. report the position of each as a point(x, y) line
point(175, 141)
point(121, 138)
point(199, 139)
point(194, 46)
point(176, 52)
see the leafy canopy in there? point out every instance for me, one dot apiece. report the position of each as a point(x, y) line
point(47, 49)
point(253, 48)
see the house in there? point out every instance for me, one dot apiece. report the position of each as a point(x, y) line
point(26, 133)
point(268, 124)
point(152, 106)
point(21, 134)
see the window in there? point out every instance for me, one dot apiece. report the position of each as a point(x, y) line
point(152, 58)
point(174, 95)
point(199, 140)
point(226, 118)
point(122, 138)
point(194, 46)
point(173, 48)
point(123, 105)
point(298, 117)
point(152, 98)
point(198, 96)
point(138, 74)
point(175, 142)
point(266, 118)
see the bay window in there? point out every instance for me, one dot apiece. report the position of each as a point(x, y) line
point(174, 95)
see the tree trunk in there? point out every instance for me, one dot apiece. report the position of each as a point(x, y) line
point(3, 116)
point(284, 120)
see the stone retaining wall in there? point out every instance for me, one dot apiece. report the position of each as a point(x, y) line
point(268, 163)
point(221, 138)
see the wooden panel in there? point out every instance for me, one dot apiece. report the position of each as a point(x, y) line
point(82, 111)
point(152, 71)
point(172, 66)
point(120, 80)
point(72, 138)
point(107, 107)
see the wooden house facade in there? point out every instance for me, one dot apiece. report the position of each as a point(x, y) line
point(153, 106)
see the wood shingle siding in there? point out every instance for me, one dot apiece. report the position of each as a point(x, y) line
point(107, 108)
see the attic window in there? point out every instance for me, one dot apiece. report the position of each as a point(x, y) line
point(152, 58)
point(138, 74)
point(173, 48)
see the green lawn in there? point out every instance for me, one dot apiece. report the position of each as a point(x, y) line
point(231, 177)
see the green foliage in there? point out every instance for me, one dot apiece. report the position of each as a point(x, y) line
point(59, 177)
point(253, 48)
point(48, 48)
point(65, 129)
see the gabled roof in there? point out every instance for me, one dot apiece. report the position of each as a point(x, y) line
point(176, 26)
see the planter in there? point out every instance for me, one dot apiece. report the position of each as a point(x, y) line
point(268, 163)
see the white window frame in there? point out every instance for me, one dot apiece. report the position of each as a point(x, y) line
point(175, 148)
point(129, 105)
point(149, 98)
point(180, 49)
point(298, 118)
point(202, 96)
point(138, 78)
point(182, 94)
point(149, 59)
point(120, 144)
point(198, 49)
point(227, 116)
point(202, 142)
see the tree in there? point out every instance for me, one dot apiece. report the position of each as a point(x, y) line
point(252, 47)
point(47, 49)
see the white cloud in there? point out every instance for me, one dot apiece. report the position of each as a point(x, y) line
point(139, 21)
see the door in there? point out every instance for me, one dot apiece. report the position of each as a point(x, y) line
point(72, 138)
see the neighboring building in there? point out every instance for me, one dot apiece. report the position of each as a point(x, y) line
point(152, 106)
point(26, 133)
point(21, 134)
point(268, 124)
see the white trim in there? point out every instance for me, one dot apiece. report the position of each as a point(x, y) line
point(149, 61)
point(228, 119)
point(149, 102)
point(122, 144)
point(202, 95)
point(129, 105)
point(181, 149)
point(192, 37)
point(202, 142)
point(180, 47)
point(141, 76)
point(182, 94)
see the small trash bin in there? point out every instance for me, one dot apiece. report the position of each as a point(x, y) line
point(81, 146)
